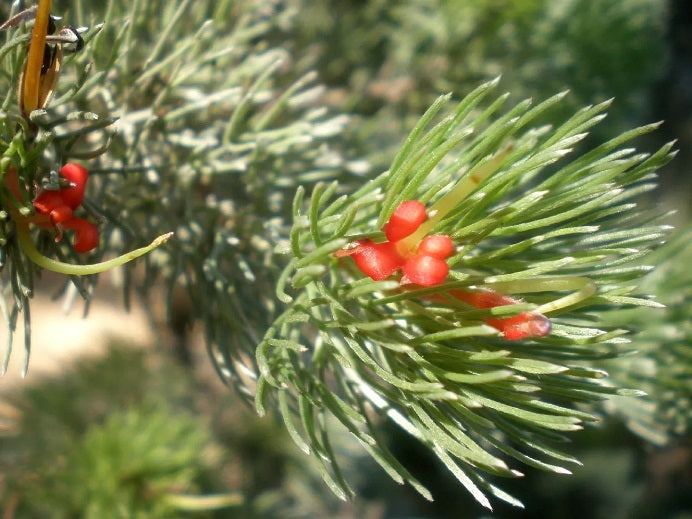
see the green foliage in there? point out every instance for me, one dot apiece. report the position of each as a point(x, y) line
point(132, 434)
point(562, 234)
point(114, 437)
point(540, 46)
point(125, 467)
point(394, 58)
point(662, 364)
point(212, 138)
point(200, 118)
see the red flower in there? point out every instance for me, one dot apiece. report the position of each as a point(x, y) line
point(377, 260)
point(86, 236)
point(58, 205)
point(55, 208)
point(427, 271)
point(77, 175)
point(51, 203)
point(436, 245)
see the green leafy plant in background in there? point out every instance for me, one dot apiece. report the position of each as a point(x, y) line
point(132, 462)
point(131, 434)
point(115, 437)
point(661, 361)
point(395, 58)
point(191, 119)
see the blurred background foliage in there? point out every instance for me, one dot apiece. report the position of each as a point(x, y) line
point(144, 427)
point(393, 58)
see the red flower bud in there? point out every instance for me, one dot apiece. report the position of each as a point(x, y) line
point(424, 270)
point(436, 245)
point(77, 175)
point(377, 260)
point(86, 235)
point(51, 203)
point(55, 208)
point(527, 324)
point(422, 263)
point(405, 219)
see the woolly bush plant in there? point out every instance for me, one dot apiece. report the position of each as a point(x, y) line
point(190, 121)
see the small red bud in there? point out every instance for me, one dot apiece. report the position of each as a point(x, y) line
point(48, 200)
point(77, 175)
point(424, 270)
point(51, 203)
point(405, 219)
point(436, 245)
point(527, 324)
point(377, 260)
point(60, 214)
point(86, 235)
point(521, 326)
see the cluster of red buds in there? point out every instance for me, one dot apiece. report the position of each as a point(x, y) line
point(422, 263)
point(421, 260)
point(55, 207)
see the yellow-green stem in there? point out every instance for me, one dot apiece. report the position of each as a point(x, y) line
point(583, 289)
point(448, 202)
point(192, 503)
point(26, 243)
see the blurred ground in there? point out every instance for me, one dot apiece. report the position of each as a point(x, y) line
point(60, 335)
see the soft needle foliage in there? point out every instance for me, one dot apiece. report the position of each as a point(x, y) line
point(662, 365)
point(188, 121)
point(396, 57)
point(214, 137)
point(563, 234)
point(118, 436)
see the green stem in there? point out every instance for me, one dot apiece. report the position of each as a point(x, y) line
point(26, 243)
point(192, 503)
point(583, 289)
point(453, 198)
